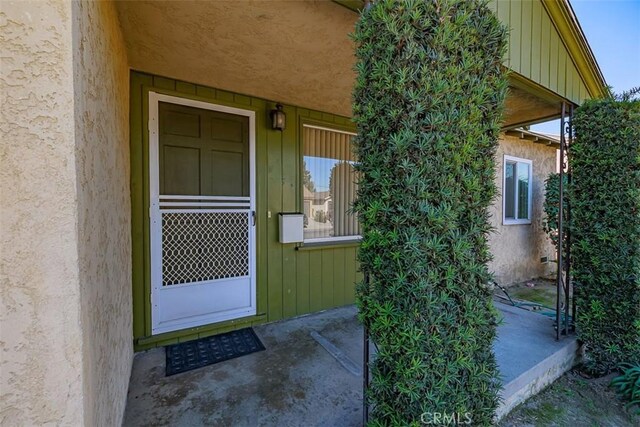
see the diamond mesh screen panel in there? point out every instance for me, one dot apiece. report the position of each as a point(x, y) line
point(201, 246)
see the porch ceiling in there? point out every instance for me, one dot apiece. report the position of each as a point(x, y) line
point(524, 108)
point(293, 52)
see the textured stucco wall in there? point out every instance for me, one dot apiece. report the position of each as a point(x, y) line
point(101, 86)
point(517, 249)
point(64, 215)
point(295, 52)
point(40, 336)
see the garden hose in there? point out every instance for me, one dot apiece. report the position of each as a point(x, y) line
point(550, 312)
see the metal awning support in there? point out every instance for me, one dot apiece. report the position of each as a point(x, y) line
point(563, 277)
point(365, 367)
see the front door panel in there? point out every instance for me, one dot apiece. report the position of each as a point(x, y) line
point(202, 232)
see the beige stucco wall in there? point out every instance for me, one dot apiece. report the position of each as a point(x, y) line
point(65, 341)
point(517, 249)
point(40, 339)
point(101, 77)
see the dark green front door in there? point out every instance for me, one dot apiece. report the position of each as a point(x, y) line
point(203, 152)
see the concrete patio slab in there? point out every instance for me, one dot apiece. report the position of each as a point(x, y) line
point(308, 375)
point(294, 382)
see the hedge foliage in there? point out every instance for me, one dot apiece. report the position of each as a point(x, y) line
point(552, 205)
point(605, 230)
point(428, 101)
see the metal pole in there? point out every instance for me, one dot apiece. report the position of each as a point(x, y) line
point(365, 365)
point(567, 249)
point(559, 285)
point(568, 273)
point(365, 371)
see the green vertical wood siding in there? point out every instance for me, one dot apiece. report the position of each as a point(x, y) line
point(562, 70)
point(515, 36)
point(536, 50)
point(525, 35)
point(554, 48)
point(290, 281)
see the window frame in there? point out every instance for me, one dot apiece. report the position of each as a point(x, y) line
point(331, 127)
point(512, 221)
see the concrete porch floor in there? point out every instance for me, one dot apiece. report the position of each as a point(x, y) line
point(297, 381)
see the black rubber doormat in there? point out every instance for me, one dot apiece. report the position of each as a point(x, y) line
point(195, 354)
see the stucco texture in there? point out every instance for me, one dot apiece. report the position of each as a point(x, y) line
point(101, 77)
point(517, 249)
point(64, 214)
point(294, 52)
point(40, 339)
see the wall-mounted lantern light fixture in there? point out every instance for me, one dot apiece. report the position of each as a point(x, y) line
point(278, 118)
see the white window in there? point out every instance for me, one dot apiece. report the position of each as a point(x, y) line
point(516, 191)
point(329, 185)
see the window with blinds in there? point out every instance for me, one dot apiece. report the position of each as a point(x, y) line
point(329, 184)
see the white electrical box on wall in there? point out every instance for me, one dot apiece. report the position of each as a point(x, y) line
point(291, 227)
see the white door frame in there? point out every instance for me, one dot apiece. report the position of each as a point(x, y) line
point(155, 234)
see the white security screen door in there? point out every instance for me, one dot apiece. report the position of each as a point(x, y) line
point(202, 204)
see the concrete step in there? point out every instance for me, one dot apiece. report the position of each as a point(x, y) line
point(529, 357)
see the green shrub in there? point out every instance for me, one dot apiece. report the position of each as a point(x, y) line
point(628, 384)
point(552, 204)
point(428, 101)
point(605, 230)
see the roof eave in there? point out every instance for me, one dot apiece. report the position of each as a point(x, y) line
point(534, 137)
point(573, 37)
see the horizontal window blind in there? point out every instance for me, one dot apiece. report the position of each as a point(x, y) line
point(329, 184)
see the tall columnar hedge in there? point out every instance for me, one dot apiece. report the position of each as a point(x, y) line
point(428, 100)
point(605, 210)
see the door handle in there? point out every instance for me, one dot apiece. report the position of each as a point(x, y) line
point(253, 218)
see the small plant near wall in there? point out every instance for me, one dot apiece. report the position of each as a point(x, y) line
point(628, 385)
point(605, 229)
point(428, 102)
